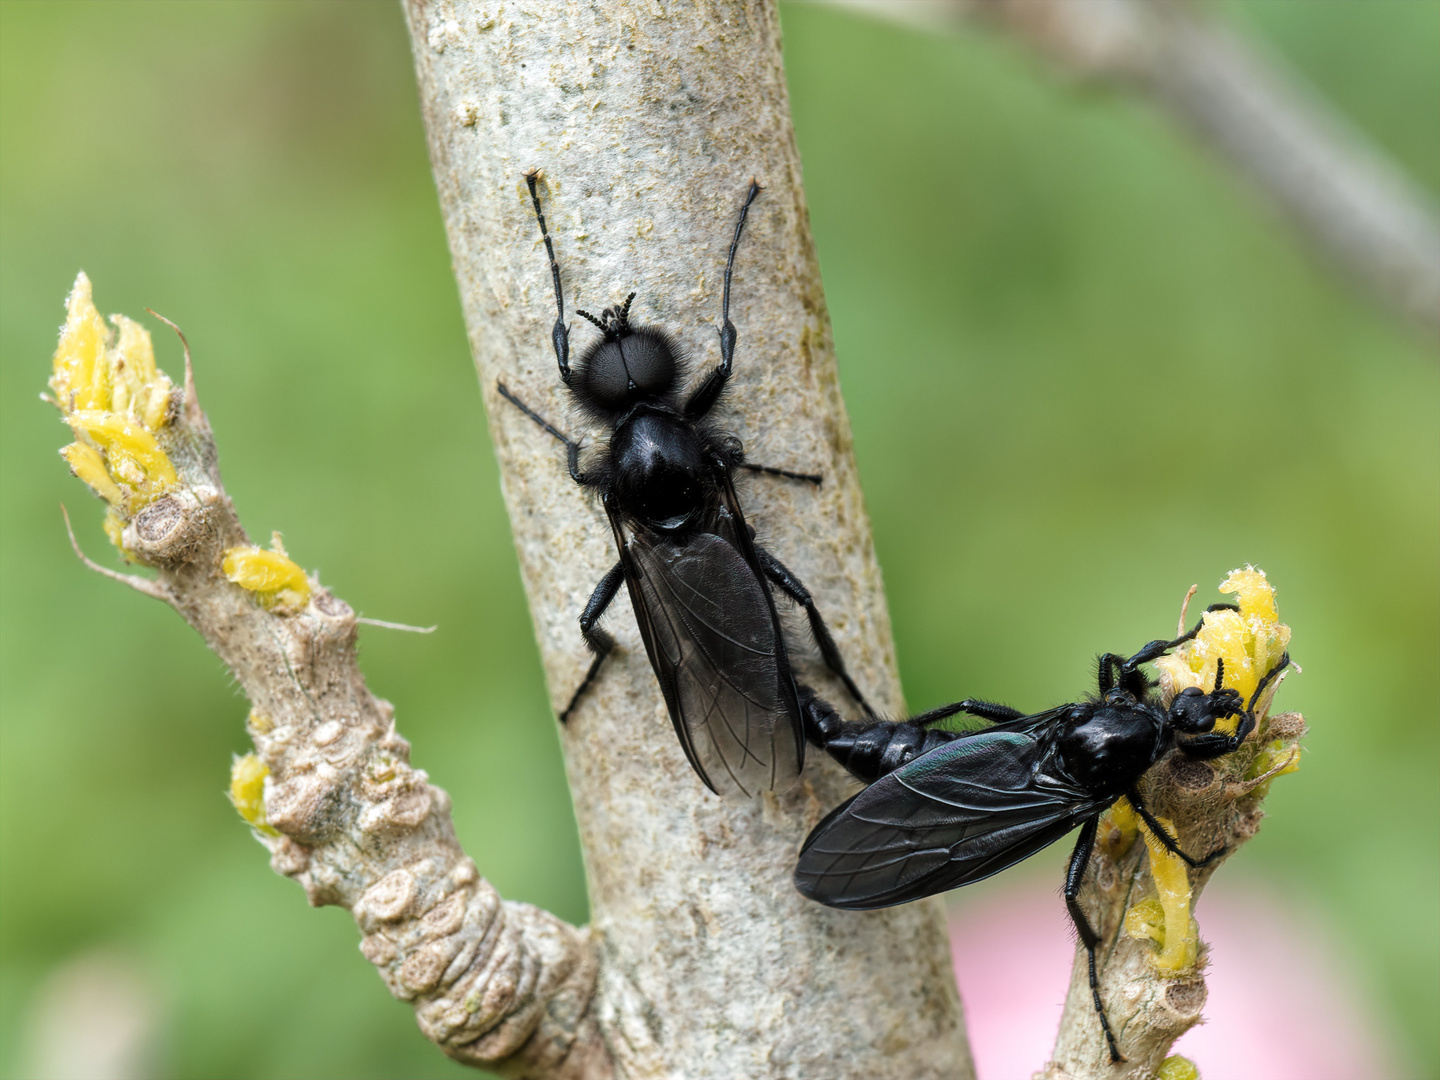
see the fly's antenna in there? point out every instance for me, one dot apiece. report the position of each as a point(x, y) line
point(602, 326)
point(614, 322)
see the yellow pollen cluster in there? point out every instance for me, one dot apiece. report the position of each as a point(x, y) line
point(277, 582)
point(1164, 918)
point(1250, 641)
point(115, 401)
point(247, 791)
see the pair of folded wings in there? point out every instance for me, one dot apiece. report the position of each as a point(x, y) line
point(717, 648)
point(961, 812)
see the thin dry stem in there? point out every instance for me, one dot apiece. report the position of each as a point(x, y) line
point(493, 983)
point(141, 585)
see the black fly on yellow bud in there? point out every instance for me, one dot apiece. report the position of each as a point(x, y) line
point(948, 808)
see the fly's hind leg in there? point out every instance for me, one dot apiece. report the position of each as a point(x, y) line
point(1084, 844)
point(792, 587)
point(601, 643)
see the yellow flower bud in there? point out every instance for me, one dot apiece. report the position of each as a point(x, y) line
point(114, 399)
point(115, 530)
point(86, 463)
point(1249, 641)
point(1164, 918)
point(1181, 942)
point(81, 379)
point(1176, 1067)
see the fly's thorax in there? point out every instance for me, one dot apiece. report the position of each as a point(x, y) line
point(662, 477)
point(1106, 747)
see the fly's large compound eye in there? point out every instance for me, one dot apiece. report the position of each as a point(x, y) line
point(624, 369)
point(606, 381)
point(650, 362)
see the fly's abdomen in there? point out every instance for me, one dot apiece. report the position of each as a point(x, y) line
point(868, 751)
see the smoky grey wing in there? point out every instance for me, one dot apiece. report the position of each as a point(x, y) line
point(960, 813)
point(715, 644)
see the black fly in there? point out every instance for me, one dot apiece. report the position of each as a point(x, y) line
point(947, 808)
point(699, 583)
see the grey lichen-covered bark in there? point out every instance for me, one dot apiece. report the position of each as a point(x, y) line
point(647, 122)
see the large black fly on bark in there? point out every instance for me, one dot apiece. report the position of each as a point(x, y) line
point(947, 808)
point(699, 583)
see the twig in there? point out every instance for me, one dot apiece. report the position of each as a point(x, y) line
point(396, 625)
point(150, 588)
point(493, 983)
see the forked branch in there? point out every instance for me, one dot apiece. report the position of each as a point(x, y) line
point(330, 791)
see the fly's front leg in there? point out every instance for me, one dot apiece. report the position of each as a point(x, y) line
point(703, 400)
point(792, 587)
point(559, 333)
point(1156, 649)
point(1110, 664)
point(601, 643)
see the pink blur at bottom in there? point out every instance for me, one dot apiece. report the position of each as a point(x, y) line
point(1282, 1005)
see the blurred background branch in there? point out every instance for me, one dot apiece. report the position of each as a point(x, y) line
point(1348, 199)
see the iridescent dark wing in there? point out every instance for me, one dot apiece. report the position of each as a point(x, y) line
point(961, 812)
point(717, 648)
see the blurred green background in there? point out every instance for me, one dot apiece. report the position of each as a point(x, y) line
point(1085, 367)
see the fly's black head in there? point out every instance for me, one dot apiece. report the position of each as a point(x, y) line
point(1195, 712)
point(629, 365)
